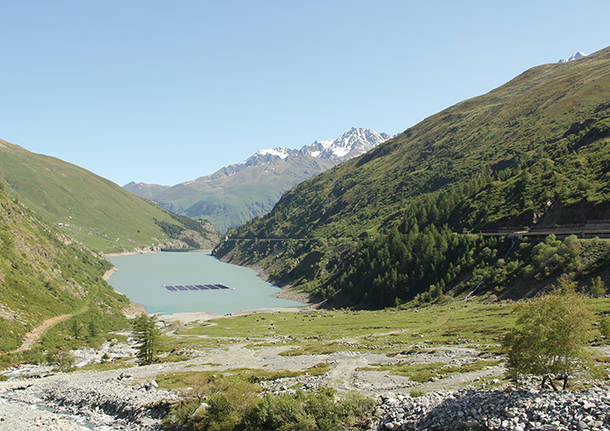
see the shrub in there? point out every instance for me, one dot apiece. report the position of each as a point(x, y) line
point(550, 334)
point(604, 327)
point(234, 405)
point(62, 360)
point(597, 290)
point(310, 411)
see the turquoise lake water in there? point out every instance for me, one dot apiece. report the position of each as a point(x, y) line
point(141, 278)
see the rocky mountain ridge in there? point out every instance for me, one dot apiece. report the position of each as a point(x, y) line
point(352, 143)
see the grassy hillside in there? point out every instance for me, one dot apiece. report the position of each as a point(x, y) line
point(231, 197)
point(397, 221)
point(89, 208)
point(43, 274)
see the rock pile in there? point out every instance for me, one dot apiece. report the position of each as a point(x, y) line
point(291, 384)
point(498, 410)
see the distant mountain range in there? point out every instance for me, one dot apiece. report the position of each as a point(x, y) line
point(239, 192)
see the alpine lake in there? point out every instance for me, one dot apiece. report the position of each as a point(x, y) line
point(177, 282)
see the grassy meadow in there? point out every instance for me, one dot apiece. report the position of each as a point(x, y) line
point(396, 330)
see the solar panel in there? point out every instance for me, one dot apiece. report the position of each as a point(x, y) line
point(188, 287)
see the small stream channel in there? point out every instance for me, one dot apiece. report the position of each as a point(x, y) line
point(38, 404)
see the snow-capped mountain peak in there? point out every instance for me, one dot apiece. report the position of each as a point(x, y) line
point(575, 56)
point(352, 143)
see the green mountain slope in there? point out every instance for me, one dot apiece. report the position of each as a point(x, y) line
point(395, 222)
point(92, 209)
point(44, 274)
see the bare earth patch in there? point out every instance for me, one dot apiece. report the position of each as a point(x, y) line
point(34, 335)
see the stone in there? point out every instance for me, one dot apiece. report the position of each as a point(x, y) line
point(200, 410)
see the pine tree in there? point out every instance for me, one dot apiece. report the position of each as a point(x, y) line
point(93, 330)
point(146, 335)
point(75, 329)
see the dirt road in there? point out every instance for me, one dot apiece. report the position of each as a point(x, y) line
point(34, 335)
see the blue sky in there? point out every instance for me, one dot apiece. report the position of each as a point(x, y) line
point(167, 91)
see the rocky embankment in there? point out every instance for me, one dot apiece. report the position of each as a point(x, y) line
point(86, 400)
point(498, 410)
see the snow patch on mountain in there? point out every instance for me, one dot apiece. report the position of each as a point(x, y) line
point(281, 152)
point(575, 56)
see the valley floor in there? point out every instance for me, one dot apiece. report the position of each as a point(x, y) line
point(392, 356)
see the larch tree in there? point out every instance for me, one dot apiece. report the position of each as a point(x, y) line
point(146, 334)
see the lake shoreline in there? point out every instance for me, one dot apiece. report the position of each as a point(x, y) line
point(203, 316)
point(108, 274)
point(287, 291)
point(133, 309)
point(153, 250)
point(145, 250)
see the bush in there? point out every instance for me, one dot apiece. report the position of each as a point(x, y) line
point(416, 393)
point(228, 404)
point(62, 360)
point(234, 405)
point(310, 411)
point(597, 290)
point(550, 334)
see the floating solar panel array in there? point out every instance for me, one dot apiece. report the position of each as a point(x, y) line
point(196, 287)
